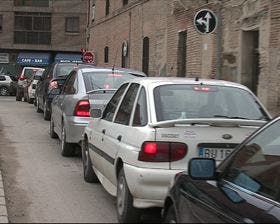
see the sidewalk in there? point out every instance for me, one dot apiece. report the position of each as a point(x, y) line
point(3, 208)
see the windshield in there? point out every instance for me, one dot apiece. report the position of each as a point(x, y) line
point(29, 72)
point(64, 69)
point(179, 101)
point(105, 80)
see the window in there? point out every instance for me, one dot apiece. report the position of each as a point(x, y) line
point(106, 54)
point(125, 2)
point(72, 25)
point(193, 101)
point(70, 86)
point(107, 7)
point(105, 79)
point(145, 57)
point(36, 3)
point(112, 105)
point(1, 23)
point(93, 12)
point(124, 112)
point(256, 167)
point(140, 114)
point(181, 54)
point(2, 78)
point(32, 28)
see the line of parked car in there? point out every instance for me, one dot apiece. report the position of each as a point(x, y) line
point(155, 142)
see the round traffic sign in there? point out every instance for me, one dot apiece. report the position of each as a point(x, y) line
point(88, 57)
point(205, 21)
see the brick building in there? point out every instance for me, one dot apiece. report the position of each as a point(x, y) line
point(37, 32)
point(161, 40)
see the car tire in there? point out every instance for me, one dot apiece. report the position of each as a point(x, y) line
point(4, 91)
point(89, 174)
point(38, 109)
point(67, 149)
point(52, 132)
point(35, 101)
point(170, 215)
point(18, 95)
point(47, 114)
point(127, 213)
point(30, 100)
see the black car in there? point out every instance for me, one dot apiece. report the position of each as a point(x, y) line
point(244, 188)
point(52, 79)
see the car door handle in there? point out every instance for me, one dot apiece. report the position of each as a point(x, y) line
point(119, 138)
point(103, 131)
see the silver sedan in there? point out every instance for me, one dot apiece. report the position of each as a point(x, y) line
point(86, 87)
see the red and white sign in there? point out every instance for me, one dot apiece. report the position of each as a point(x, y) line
point(88, 57)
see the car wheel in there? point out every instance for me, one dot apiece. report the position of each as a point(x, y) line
point(35, 101)
point(18, 95)
point(170, 215)
point(52, 133)
point(89, 174)
point(126, 212)
point(47, 114)
point(38, 109)
point(67, 149)
point(4, 91)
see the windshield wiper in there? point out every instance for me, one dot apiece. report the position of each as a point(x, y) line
point(234, 117)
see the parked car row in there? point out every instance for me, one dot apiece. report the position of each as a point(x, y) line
point(155, 142)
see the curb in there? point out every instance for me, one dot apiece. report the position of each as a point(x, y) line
point(3, 207)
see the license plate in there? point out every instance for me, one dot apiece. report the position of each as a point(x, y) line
point(214, 153)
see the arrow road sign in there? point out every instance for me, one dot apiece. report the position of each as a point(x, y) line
point(205, 21)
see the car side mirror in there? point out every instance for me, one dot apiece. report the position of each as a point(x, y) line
point(202, 169)
point(96, 113)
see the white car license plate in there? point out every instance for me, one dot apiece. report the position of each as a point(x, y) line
point(215, 153)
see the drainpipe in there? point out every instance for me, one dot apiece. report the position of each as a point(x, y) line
point(219, 41)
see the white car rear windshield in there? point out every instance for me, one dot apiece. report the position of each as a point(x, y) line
point(28, 72)
point(105, 80)
point(200, 101)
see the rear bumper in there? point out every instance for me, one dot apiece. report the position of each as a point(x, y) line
point(74, 127)
point(148, 187)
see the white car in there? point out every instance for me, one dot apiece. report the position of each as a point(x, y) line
point(31, 89)
point(152, 127)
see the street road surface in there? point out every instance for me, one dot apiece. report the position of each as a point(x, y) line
point(41, 185)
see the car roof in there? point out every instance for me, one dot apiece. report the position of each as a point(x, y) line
point(183, 80)
point(107, 69)
point(32, 68)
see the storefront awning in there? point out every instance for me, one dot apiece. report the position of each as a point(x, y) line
point(75, 58)
point(33, 59)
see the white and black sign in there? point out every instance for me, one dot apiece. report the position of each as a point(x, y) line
point(124, 48)
point(4, 58)
point(205, 21)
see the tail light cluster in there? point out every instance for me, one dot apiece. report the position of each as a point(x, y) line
point(82, 109)
point(162, 151)
point(21, 78)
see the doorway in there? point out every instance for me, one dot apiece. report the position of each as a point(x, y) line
point(250, 66)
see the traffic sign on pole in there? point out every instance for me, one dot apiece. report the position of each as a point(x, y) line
point(205, 21)
point(88, 57)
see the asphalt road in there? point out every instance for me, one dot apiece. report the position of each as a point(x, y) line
point(41, 185)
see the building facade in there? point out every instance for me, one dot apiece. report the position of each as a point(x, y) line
point(34, 32)
point(160, 38)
